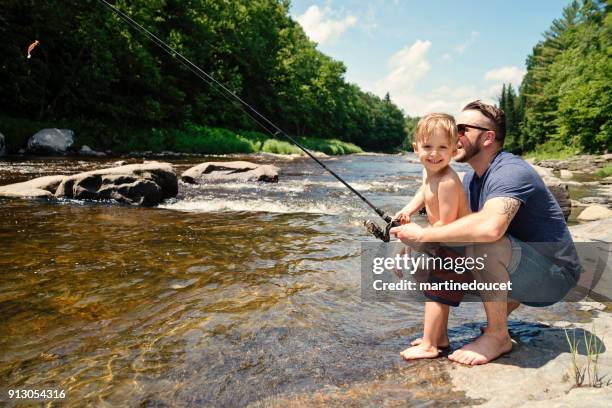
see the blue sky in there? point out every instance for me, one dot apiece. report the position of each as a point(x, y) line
point(432, 55)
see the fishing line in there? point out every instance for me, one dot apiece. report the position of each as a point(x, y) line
point(259, 118)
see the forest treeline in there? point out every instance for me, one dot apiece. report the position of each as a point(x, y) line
point(564, 103)
point(94, 73)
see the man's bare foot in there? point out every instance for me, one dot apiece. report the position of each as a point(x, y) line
point(420, 351)
point(484, 349)
point(512, 306)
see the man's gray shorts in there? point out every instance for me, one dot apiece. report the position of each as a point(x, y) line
point(536, 280)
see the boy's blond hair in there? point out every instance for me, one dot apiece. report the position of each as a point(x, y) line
point(433, 121)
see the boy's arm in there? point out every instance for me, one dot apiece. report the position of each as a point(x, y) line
point(448, 201)
point(415, 205)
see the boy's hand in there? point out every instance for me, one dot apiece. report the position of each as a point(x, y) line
point(403, 217)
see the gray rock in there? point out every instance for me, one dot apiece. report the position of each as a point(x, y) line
point(51, 141)
point(236, 171)
point(561, 193)
point(138, 184)
point(41, 187)
point(557, 187)
point(124, 188)
point(2, 145)
point(594, 200)
point(543, 171)
point(597, 230)
point(88, 151)
point(566, 174)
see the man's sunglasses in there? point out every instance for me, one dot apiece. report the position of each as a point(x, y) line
point(461, 128)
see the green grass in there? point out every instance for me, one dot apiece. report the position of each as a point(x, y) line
point(190, 138)
point(586, 374)
point(604, 171)
point(552, 150)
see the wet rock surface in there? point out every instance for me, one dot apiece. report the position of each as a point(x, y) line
point(235, 171)
point(145, 184)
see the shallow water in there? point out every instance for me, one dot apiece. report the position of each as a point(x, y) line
point(224, 296)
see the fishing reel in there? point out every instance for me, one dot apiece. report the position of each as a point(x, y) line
point(378, 232)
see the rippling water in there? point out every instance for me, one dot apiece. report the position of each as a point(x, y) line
point(227, 295)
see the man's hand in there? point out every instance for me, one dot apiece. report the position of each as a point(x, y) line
point(408, 233)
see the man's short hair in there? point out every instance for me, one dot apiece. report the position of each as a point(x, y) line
point(429, 123)
point(493, 113)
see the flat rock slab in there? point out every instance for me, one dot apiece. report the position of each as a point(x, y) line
point(145, 184)
point(41, 187)
point(235, 171)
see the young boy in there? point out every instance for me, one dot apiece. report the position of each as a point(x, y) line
point(445, 201)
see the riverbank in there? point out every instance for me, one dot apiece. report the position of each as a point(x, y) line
point(188, 139)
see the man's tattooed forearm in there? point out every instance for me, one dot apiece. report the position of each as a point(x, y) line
point(511, 206)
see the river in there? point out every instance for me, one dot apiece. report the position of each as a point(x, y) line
point(228, 295)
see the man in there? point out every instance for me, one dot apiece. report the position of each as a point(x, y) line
point(516, 222)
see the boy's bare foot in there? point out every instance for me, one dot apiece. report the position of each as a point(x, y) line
point(442, 344)
point(420, 351)
point(484, 349)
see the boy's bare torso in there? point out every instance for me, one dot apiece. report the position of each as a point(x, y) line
point(431, 184)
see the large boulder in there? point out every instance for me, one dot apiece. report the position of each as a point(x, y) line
point(236, 171)
point(595, 212)
point(2, 145)
point(561, 193)
point(139, 184)
point(51, 141)
point(41, 187)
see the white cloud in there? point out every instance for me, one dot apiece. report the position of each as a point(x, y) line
point(512, 74)
point(407, 66)
point(460, 49)
point(411, 66)
point(320, 26)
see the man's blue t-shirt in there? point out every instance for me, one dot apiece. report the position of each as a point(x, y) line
point(539, 218)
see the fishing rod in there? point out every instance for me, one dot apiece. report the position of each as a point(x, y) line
point(259, 118)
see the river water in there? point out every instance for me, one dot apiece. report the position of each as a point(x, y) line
point(228, 295)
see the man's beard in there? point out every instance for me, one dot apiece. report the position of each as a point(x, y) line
point(468, 151)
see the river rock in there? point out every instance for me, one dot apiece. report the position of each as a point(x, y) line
point(138, 184)
point(2, 145)
point(557, 187)
point(51, 141)
point(236, 171)
point(560, 191)
point(543, 171)
point(594, 200)
point(41, 187)
point(600, 230)
point(595, 212)
point(88, 151)
point(566, 174)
